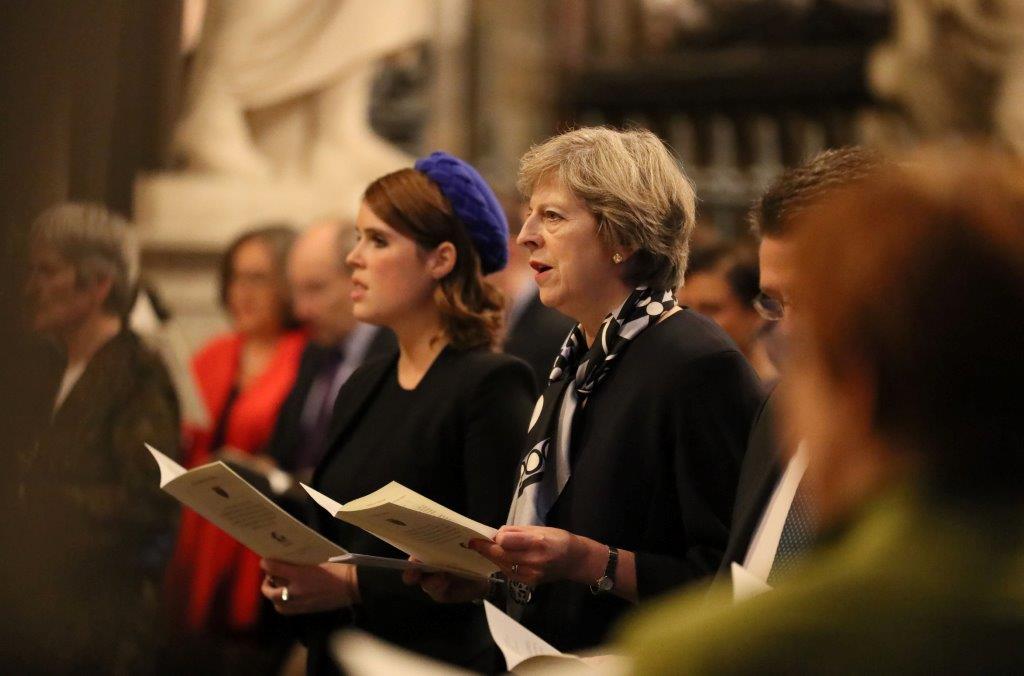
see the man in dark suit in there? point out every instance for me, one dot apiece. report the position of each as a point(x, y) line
point(770, 515)
point(338, 345)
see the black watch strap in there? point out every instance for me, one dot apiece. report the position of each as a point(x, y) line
point(606, 582)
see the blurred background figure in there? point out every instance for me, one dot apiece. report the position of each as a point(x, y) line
point(722, 281)
point(533, 331)
point(252, 113)
point(96, 535)
point(955, 66)
point(243, 377)
point(910, 409)
point(321, 288)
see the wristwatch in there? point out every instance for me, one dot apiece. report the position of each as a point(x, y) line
point(606, 582)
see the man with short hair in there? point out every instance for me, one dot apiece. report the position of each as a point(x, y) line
point(770, 521)
point(722, 283)
point(338, 345)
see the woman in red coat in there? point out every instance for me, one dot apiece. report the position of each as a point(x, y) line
point(243, 377)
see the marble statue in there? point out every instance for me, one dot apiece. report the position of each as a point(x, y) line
point(956, 67)
point(276, 119)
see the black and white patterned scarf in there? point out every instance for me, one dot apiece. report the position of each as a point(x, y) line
point(544, 470)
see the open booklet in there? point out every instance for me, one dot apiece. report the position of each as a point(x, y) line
point(225, 499)
point(527, 653)
point(417, 526)
point(518, 644)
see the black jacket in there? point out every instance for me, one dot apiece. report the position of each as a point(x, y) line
point(536, 337)
point(760, 473)
point(656, 456)
point(457, 445)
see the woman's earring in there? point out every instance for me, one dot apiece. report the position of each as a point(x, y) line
point(616, 258)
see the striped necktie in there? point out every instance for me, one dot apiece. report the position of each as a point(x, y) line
point(797, 533)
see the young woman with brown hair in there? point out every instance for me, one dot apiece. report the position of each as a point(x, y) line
point(446, 417)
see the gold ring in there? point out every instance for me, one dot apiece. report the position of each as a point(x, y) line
point(284, 595)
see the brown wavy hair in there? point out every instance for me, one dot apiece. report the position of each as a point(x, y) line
point(472, 308)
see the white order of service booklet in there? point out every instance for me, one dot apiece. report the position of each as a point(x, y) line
point(418, 526)
point(235, 506)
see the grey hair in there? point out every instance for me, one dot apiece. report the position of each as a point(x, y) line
point(97, 243)
point(634, 186)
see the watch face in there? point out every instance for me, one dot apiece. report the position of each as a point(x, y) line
point(605, 583)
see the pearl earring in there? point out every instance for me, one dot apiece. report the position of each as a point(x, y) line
point(616, 258)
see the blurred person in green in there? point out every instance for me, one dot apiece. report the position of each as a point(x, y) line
point(905, 386)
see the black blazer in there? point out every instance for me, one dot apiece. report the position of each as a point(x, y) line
point(656, 456)
point(536, 337)
point(761, 470)
point(458, 444)
point(287, 433)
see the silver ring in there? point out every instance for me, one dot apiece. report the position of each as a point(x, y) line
point(284, 595)
point(515, 568)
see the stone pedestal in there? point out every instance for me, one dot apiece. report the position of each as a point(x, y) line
point(197, 212)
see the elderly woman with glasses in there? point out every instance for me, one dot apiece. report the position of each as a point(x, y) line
point(627, 482)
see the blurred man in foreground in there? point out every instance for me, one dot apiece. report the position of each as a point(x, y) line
point(905, 386)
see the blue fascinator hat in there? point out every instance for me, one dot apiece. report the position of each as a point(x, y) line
point(474, 203)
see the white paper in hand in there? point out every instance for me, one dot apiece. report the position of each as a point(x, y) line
point(746, 585)
point(417, 526)
point(229, 502)
point(331, 505)
point(169, 470)
point(517, 643)
point(361, 654)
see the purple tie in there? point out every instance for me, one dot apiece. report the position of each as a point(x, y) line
point(314, 438)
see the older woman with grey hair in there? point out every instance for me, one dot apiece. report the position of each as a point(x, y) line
point(627, 483)
point(97, 533)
